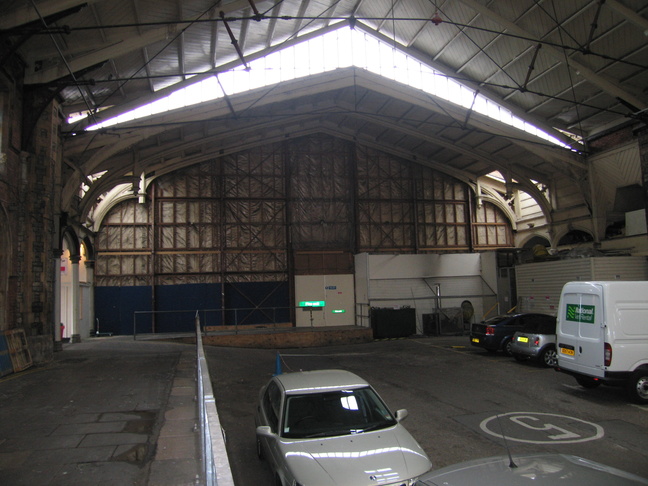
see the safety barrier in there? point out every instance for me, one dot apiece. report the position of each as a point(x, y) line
point(215, 461)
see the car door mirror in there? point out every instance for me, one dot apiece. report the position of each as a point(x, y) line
point(265, 431)
point(401, 415)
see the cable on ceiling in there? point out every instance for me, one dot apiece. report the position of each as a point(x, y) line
point(94, 82)
point(103, 102)
point(578, 49)
point(60, 53)
point(569, 73)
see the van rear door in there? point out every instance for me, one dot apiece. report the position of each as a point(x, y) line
point(580, 328)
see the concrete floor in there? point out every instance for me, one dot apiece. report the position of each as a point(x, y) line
point(450, 388)
point(113, 411)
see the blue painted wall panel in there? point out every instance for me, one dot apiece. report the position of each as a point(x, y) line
point(179, 304)
point(6, 366)
point(257, 303)
point(116, 306)
point(246, 303)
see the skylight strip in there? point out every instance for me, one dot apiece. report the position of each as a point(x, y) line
point(339, 48)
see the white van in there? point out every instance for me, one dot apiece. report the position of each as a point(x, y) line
point(602, 334)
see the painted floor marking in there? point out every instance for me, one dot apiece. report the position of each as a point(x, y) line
point(541, 428)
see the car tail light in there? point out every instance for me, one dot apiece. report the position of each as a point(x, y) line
point(608, 354)
point(536, 342)
point(490, 331)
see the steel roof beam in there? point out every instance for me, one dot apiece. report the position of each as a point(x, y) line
point(631, 15)
point(602, 83)
point(59, 70)
point(26, 13)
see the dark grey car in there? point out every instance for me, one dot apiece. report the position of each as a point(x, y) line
point(496, 333)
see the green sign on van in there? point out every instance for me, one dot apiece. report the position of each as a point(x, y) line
point(580, 313)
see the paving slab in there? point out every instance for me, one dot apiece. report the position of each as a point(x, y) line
point(107, 411)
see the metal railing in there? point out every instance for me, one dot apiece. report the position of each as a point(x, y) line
point(216, 467)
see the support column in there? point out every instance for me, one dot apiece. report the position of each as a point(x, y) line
point(58, 345)
point(74, 332)
point(90, 266)
point(643, 158)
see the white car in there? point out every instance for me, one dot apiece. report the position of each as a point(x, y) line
point(330, 427)
point(532, 470)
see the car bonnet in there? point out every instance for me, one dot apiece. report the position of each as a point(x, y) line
point(378, 457)
point(534, 470)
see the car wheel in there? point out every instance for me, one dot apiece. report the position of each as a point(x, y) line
point(638, 386)
point(519, 357)
point(549, 357)
point(587, 382)
point(507, 347)
point(259, 449)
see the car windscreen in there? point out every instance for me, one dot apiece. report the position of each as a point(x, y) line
point(334, 413)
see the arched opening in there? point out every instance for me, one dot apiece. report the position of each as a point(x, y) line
point(575, 237)
point(76, 289)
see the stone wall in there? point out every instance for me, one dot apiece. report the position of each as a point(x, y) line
point(30, 158)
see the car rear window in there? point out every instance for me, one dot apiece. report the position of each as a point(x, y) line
point(539, 324)
point(548, 327)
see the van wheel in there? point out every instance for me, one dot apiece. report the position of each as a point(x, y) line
point(638, 386)
point(587, 382)
point(549, 357)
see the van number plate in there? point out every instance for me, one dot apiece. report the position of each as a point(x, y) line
point(568, 352)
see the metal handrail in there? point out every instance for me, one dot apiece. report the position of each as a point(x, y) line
point(217, 471)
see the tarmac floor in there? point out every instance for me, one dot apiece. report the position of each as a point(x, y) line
point(105, 412)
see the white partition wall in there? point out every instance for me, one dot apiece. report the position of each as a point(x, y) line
point(426, 283)
point(337, 293)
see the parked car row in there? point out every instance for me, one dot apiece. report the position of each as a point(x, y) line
point(600, 336)
point(330, 427)
point(523, 336)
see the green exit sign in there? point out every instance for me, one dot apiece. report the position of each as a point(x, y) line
point(312, 303)
point(338, 311)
